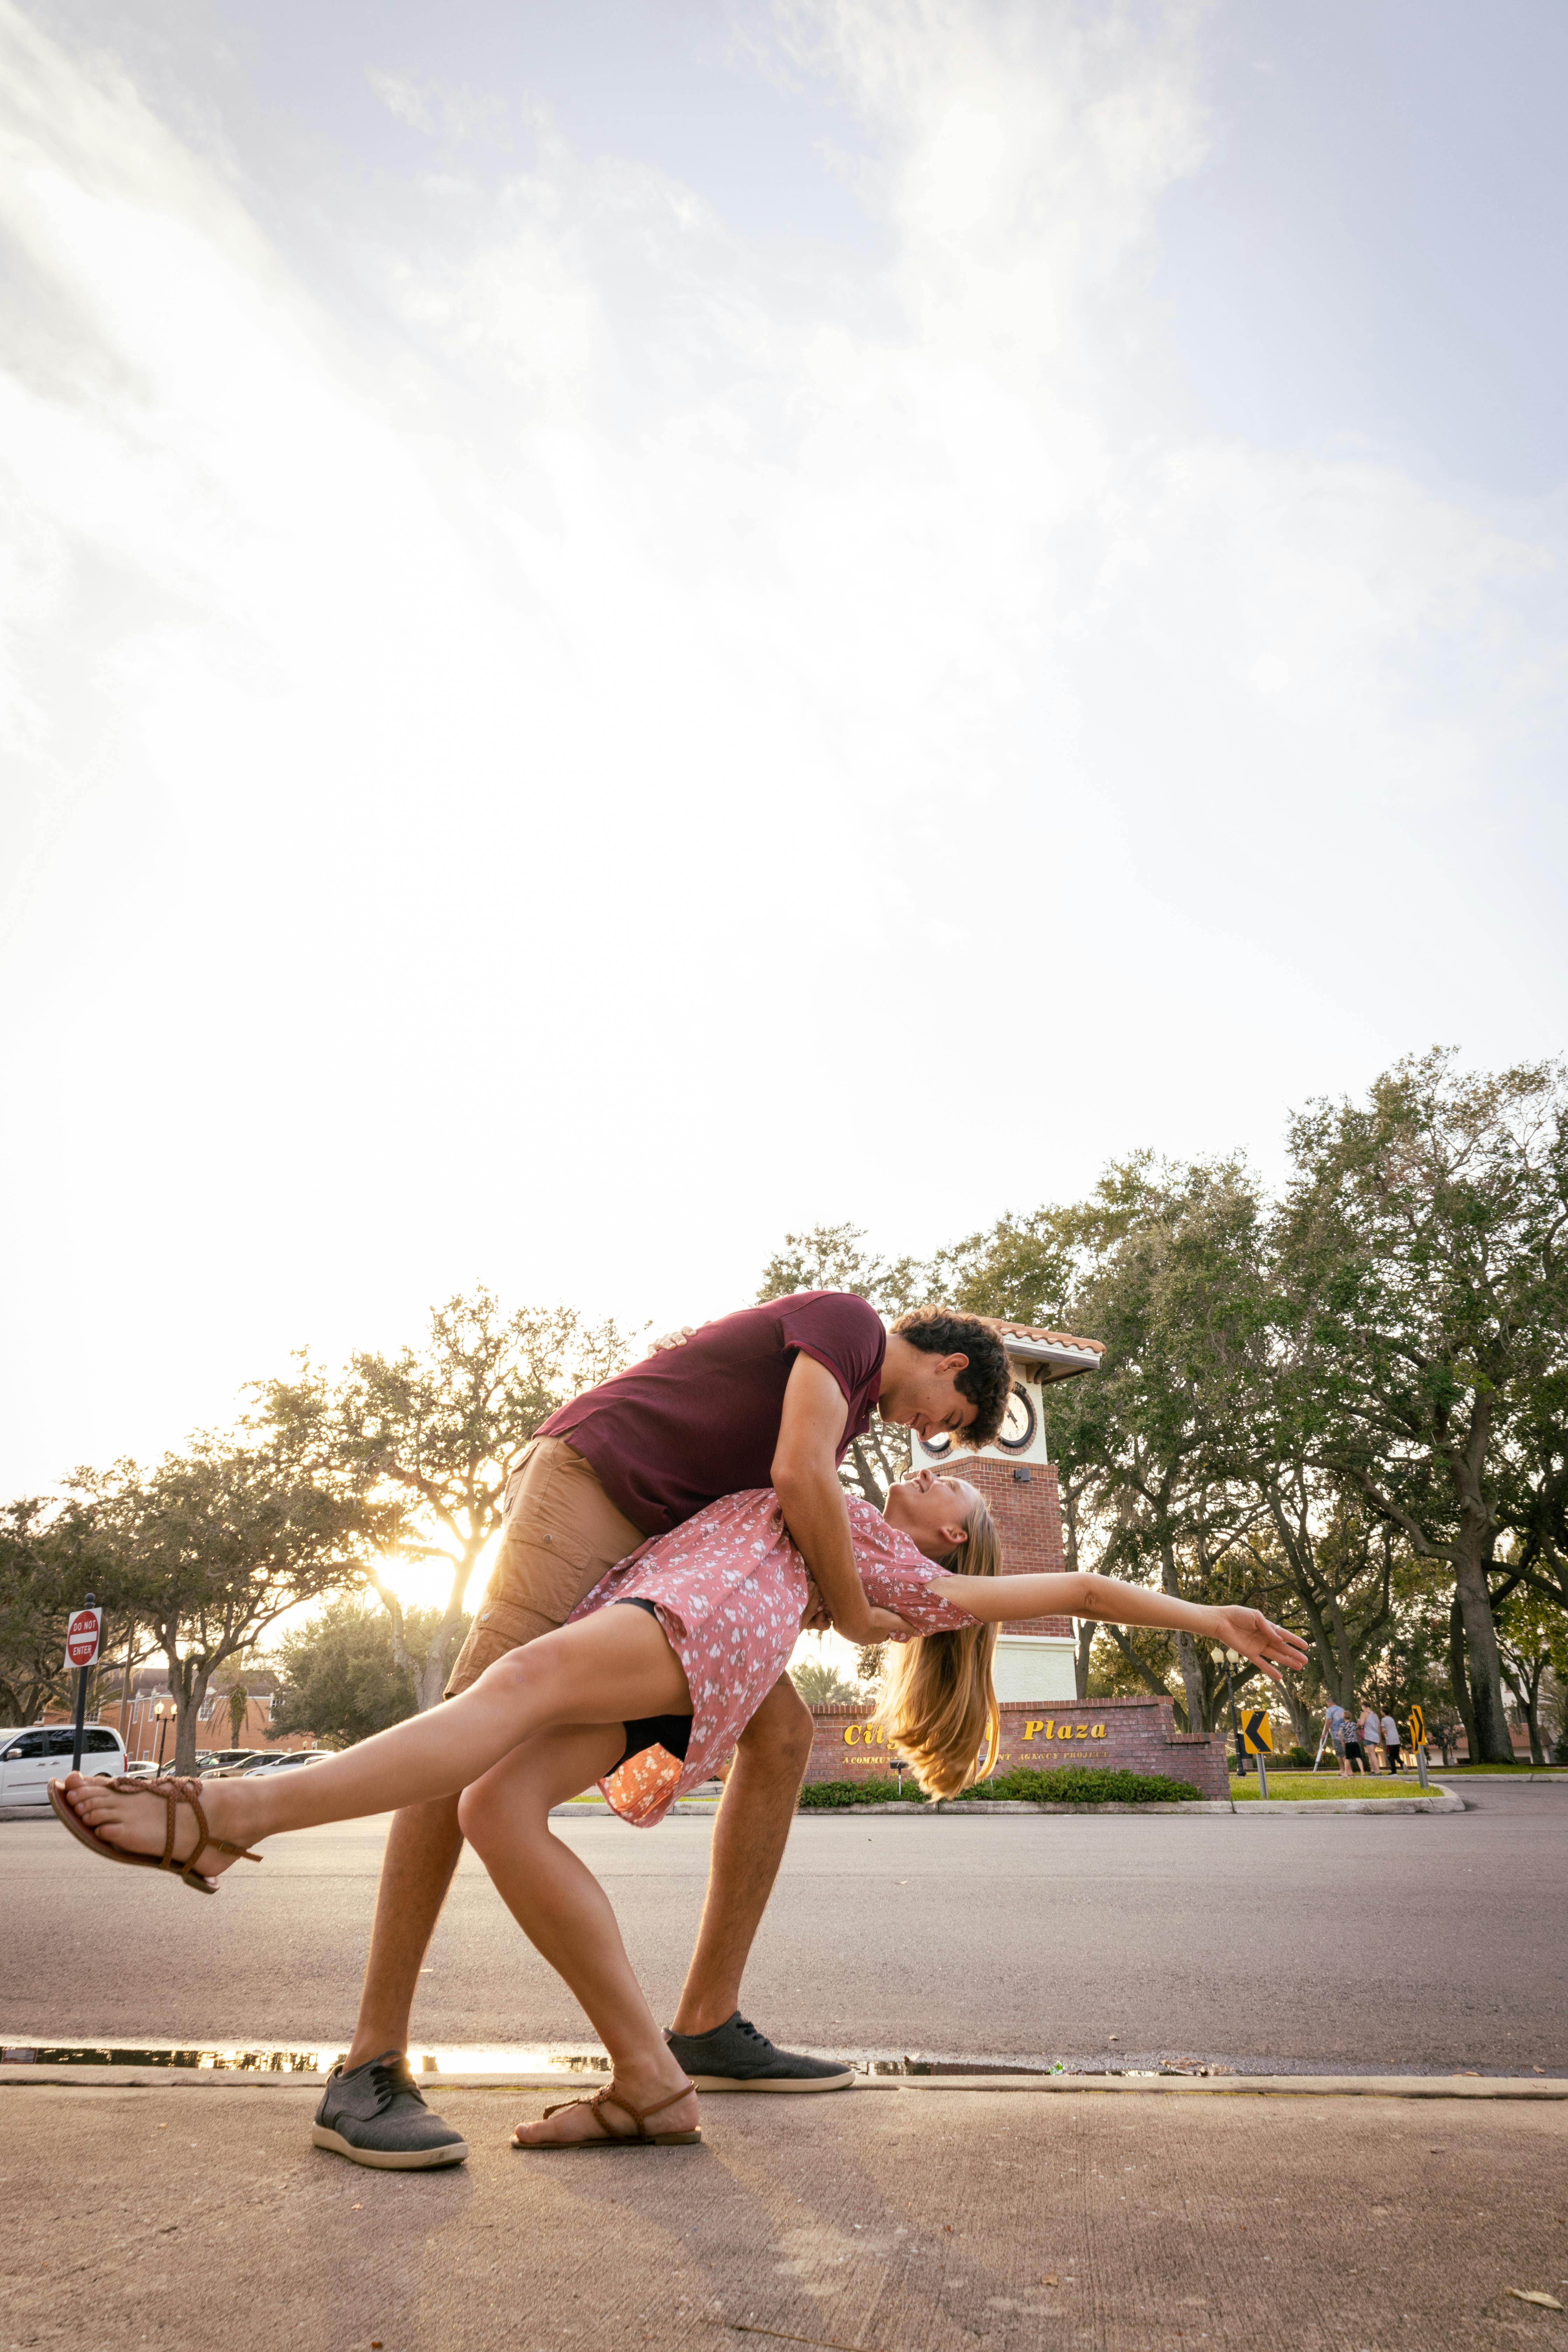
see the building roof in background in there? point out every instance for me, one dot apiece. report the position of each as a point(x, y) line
point(1057, 1353)
point(153, 1682)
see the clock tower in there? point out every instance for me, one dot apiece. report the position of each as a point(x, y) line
point(1016, 1474)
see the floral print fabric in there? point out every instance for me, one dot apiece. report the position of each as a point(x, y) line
point(732, 1588)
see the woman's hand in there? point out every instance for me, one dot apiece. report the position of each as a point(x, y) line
point(1257, 1637)
point(874, 1625)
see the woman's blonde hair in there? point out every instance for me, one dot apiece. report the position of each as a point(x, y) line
point(939, 1702)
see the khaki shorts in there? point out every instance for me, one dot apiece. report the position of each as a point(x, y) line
point(560, 1534)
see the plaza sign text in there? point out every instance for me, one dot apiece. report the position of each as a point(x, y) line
point(874, 1734)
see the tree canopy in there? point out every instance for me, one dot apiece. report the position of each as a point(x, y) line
point(417, 1446)
point(1347, 1404)
point(339, 1676)
point(208, 1550)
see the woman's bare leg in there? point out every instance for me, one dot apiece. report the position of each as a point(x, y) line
point(615, 1665)
point(566, 1915)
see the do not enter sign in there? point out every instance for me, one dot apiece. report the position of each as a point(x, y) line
point(81, 1637)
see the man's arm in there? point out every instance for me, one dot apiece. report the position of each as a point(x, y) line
point(805, 1480)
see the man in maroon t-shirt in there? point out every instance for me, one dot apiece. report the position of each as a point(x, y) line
point(772, 1396)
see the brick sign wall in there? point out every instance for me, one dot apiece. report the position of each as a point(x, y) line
point(1137, 1735)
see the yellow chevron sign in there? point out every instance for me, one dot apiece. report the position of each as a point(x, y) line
point(1256, 1732)
point(1418, 1728)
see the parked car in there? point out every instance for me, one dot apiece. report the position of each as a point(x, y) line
point(296, 1756)
point(231, 1760)
point(31, 1758)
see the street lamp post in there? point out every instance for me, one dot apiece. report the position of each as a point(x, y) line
point(1231, 1656)
point(158, 1712)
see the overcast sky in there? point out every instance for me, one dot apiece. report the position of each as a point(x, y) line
point(627, 626)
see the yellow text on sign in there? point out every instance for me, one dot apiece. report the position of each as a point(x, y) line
point(864, 1735)
point(1048, 1728)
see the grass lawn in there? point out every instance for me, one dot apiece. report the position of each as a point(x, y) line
point(1304, 1787)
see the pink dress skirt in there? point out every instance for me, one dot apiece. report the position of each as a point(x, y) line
point(731, 1589)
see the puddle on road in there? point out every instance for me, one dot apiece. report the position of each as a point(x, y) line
point(271, 2058)
point(522, 2058)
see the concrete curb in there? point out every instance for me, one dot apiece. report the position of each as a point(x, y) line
point(595, 1808)
point(1555, 1779)
point(1203, 1807)
point(1445, 1802)
point(1337, 2086)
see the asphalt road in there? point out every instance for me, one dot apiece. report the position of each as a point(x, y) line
point(1345, 1943)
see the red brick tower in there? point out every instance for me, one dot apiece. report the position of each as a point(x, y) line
point(1035, 1657)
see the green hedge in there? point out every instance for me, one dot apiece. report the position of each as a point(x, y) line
point(836, 1796)
point(1067, 1784)
point(1086, 1784)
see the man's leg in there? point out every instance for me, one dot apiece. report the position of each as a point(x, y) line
point(373, 2111)
point(713, 2042)
point(562, 1534)
point(749, 1839)
point(422, 1850)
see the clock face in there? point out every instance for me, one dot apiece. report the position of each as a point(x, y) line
point(937, 1446)
point(1017, 1429)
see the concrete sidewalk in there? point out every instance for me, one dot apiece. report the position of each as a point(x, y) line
point(905, 2219)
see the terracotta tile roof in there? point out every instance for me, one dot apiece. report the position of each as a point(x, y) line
point(1056, 1348)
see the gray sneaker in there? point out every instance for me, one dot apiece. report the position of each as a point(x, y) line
point(736, 2057)
point(376, 2116)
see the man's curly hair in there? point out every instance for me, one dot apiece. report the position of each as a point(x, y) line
point(986, 1379)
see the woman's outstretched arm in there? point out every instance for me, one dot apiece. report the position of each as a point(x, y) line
point(994, 1598)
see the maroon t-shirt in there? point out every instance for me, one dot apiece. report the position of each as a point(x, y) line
point(669, 1435)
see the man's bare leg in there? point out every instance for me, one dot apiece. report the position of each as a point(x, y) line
point(749, 1839)
point(423, 1847)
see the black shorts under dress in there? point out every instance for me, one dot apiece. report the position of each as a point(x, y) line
point(670, 1732)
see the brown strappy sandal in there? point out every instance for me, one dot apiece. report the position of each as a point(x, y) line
point(175, 1794)
point(610, 2097)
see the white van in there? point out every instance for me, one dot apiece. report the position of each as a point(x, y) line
point(30, 1760)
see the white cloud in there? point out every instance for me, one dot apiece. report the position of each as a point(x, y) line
point(1028, 150)
point(499, 739)
point(454, 116)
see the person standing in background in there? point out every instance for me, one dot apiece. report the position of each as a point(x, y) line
point(1355, 1754)
point(1391, 1742)
point(1371, 1737)
point(1339, 1730)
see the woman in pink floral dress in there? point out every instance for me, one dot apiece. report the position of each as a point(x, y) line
point(731, 1590)
point(643, 1690)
